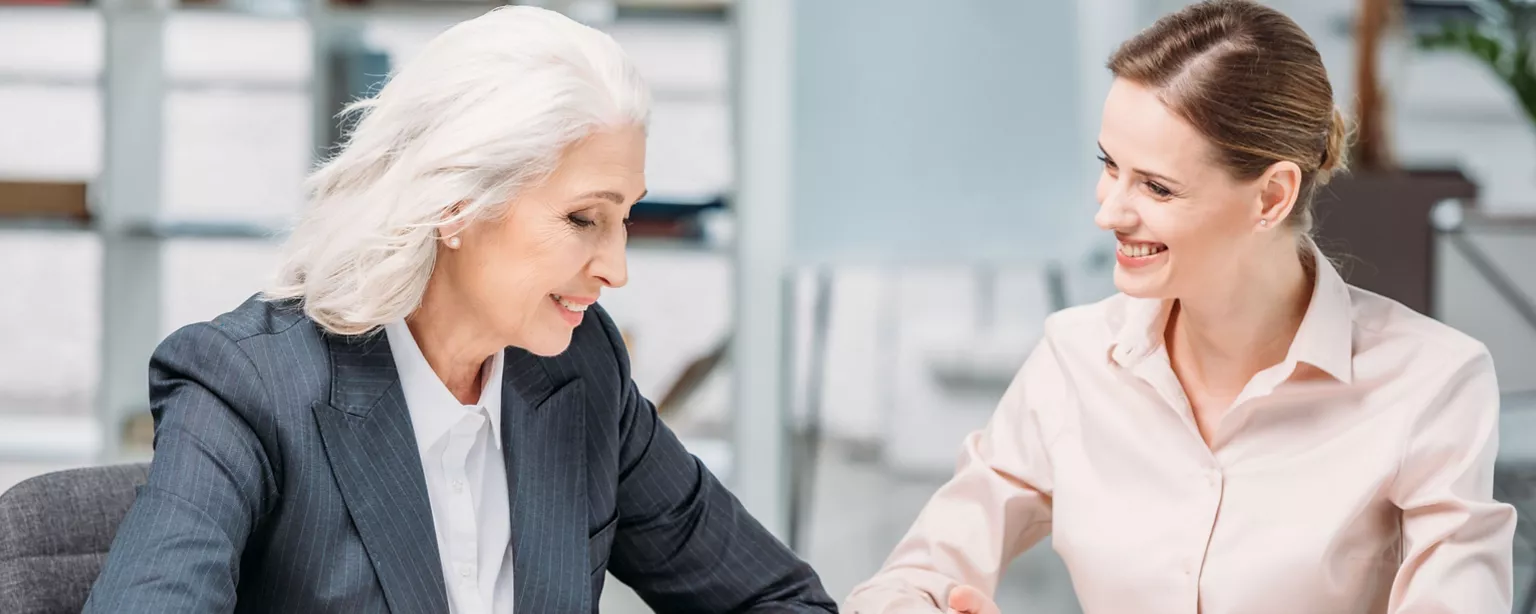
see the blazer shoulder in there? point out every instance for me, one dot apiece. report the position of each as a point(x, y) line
point(242, 352)
point(259, 316)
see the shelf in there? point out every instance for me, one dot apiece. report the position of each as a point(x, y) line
point(446, 11)
point(705, 10)
point(33, 438)
point(127, 200)
point(246, 231)
point(691, 10)
point(5, 5)
point(43, 225)
point(153, 230)
point(674, 9)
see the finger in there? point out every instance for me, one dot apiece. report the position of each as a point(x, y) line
point(966, 600)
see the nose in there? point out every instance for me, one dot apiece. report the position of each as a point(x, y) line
point(610, 264)
point(1114, 212)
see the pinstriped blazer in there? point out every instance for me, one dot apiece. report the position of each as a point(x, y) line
point(286, 479)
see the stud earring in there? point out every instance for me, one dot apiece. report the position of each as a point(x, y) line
point(1264, 223)
point(453, 242)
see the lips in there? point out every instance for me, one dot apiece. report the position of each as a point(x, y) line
point(1131, 254)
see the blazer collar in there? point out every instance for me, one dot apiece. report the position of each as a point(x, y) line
point(545, 438)
point(368, 437)
point(367, 434)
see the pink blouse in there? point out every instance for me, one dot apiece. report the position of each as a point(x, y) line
point(1355, 476)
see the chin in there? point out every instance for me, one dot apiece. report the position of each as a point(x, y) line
point(549, 345)
point(1140, 285)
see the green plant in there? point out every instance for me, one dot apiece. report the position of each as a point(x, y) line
point(1503, 39)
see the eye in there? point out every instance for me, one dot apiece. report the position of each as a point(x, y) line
point(579, 221)
point(1159, 190)
point(1108, 163)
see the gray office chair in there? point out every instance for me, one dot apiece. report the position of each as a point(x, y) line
point(54, 533)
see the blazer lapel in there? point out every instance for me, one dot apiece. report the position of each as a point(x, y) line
point(544, 432)
point(366, 430)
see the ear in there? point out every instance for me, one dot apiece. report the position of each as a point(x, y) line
point(453, 224)
point(1279, 187)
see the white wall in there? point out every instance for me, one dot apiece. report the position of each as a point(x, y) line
point(939, 132)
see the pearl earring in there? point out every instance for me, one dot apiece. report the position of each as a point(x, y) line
point(1264, 223)
point(453, 242)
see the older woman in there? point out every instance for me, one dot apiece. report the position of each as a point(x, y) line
point(1239, 431)
point(429, 412)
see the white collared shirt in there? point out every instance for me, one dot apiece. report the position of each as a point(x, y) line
point(462, 460)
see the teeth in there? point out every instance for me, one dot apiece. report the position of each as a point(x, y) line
point(569, 306)
point(1140, 250)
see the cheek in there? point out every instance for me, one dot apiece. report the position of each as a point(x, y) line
point(516, 270)
point(1195, 235)
point(551, 265)
point(1179, 230)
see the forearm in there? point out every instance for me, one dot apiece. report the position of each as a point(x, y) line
point(900, 590)
point(168, 557)
point(1458, 540)
point(702, 551)
point(798, 591)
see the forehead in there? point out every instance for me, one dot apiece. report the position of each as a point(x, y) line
point(615, 150)
point(1137, 126)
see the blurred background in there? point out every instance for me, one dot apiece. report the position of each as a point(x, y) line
point(861, 212)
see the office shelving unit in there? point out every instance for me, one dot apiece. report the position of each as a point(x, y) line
point(127, 198)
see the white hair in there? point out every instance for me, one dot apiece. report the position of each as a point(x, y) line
point(484, 110)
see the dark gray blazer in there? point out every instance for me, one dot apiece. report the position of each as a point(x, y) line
point(286, 479)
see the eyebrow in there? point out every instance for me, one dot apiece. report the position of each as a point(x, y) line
point(609, 195)
point(1143, 172)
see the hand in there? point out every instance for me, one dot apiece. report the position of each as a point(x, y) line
point(968, 600)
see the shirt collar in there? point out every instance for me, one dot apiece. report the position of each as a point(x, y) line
point(433, 409)
point(1138, 325)
point(1324, 340)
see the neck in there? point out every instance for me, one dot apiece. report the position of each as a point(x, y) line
point(1227, 334)
point(454, 346)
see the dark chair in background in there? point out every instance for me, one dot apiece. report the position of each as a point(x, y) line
point(54, 533)
point(1379, 225)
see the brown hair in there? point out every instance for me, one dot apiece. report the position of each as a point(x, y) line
point(1249, 80)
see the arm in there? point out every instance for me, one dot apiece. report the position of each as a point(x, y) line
point(684, 543)
point(178, 550)
point(997, 505)
point(1458, 542)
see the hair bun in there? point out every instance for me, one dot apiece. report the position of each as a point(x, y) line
point(1335, 148)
